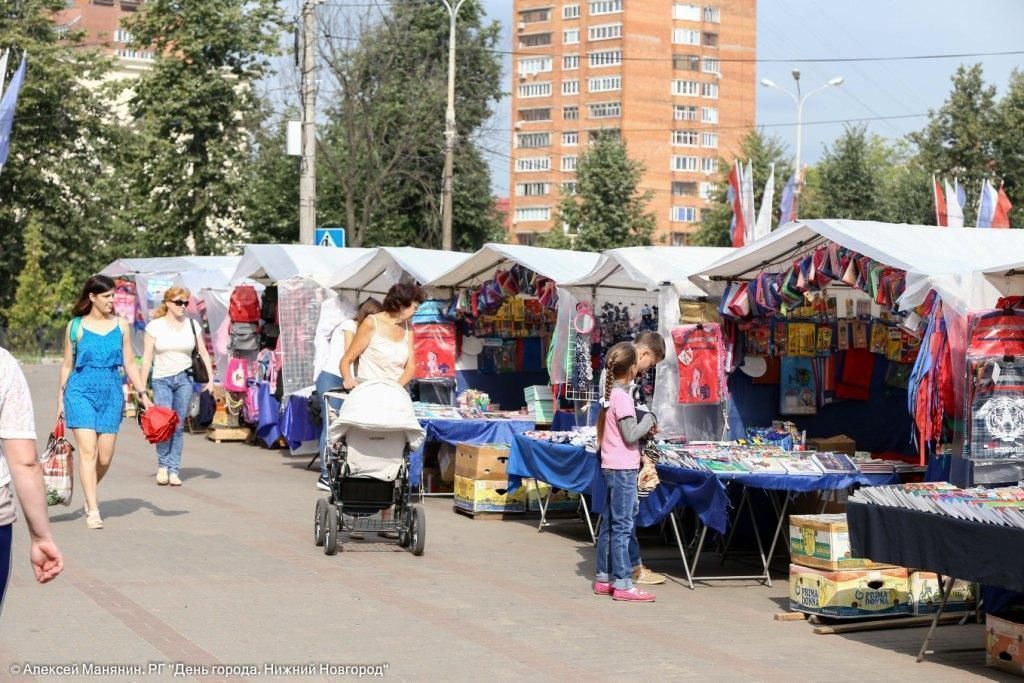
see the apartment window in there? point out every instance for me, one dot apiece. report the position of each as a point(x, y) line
point(711, 39)
point(542, 114)
point(135, 54)
point(709, 140)
point(570, 113)
point(709, 164)
point(685, 88)
point(706, 190)
point(534, 65)
point(711, 65)
point(568, 188)
point(709, 90)
point(685, 138)
point(595, 135)
point(533, 140)
point(713, 15)
point(679, 239)
point(571, 87)
point(683, 214)
point(532, 189)
point(605, 58)
point(683, 189)
point(568, 163)
point(605, 32)
point(571, 37)
point(533, 213)
point(680, 163)
point(570, 138)
point(709, 115)
point(604, 110)
point(686, 62)
point(571, 12)
point(605, 7)
point(686, 12)
point(530, 164)
point(535, 40)
point(570, 62)
point(684, 112)
point(535, 90)
point(685, 36)
point(527, 239)
point(533, 15)
point(122, 36)
point(604, 83)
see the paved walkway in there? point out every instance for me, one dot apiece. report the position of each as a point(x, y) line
point(223, 571)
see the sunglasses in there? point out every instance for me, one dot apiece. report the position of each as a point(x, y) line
point(178, 302)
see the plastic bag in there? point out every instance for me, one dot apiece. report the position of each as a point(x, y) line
point(58, 466)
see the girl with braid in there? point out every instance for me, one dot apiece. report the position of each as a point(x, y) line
point(618, 435)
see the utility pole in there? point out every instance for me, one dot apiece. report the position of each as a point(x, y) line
point(447, 179)
point(307, 178)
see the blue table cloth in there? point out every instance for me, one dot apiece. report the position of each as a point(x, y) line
point(796, 483)
point(563, 421)
point(563, 466)
point(465, 431)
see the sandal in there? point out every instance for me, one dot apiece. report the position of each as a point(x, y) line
point(392, 535)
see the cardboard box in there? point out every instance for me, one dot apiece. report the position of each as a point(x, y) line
point(483, 495)
point(823, 541)
point(925, 594)
point(1004, 642)
point(849, 593)
point(486, 461)
point(838, 444)
point(560, 500)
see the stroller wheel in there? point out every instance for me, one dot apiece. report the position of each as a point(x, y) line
point(331, 531)
point(405, 533)
point(418, 529)
point(320, 521)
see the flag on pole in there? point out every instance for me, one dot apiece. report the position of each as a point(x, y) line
point(764, 216)
point(940, 203)
point(986, 204)
point(1001, 217)
point(787, 205)
point(8, 103)
point(954, 212)
point(737, 229)
point(3, 69)
point(748, 203)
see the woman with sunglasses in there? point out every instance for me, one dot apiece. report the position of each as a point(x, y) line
point(96, 346)
point(171, 336)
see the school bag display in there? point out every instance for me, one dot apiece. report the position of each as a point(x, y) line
point(244, 306)
point(699, 353)
point(244, 337)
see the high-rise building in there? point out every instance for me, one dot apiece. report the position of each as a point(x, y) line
point(100, 20)
point(676, 81)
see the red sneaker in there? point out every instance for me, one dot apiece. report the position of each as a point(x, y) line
point(603, 587)
point(632, 595)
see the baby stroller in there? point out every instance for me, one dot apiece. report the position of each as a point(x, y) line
point(369, 441)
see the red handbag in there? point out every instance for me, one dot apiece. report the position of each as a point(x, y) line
point(158, 423)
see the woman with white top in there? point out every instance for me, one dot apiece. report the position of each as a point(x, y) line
point(171, 337)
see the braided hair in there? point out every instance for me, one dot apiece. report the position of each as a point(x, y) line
point(618, 362)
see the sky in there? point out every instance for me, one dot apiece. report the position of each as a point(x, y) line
point(791, 30)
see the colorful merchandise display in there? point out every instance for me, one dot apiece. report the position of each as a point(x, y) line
point(698, 351)
point(1000, 506)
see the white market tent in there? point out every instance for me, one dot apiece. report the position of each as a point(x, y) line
point(171, 264)
point(557, 264)
point(387, 266)
point(277, 262)
point(951, 260)
point(632, 269)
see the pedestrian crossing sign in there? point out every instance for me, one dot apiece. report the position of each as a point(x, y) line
point(330, 237)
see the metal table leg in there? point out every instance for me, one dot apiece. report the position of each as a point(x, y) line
point(682, 549)
point(947, 588)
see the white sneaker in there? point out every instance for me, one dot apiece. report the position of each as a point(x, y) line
point(161, 476)
point(175, 481)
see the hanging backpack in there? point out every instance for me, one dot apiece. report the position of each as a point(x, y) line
point(245, 305)
point(244, 337)
point(268, 306)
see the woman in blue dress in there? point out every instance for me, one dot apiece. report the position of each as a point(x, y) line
point(97, 346)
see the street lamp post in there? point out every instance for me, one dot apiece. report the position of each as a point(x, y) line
point(799, 99)
point(453, 7)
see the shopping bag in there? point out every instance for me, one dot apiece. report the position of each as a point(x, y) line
point(58, 467)
point(237, 377)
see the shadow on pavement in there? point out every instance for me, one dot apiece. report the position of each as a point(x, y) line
point(120, 508)
point(187, 473)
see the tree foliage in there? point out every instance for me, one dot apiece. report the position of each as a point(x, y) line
point(269, 197)
point(1009, 144)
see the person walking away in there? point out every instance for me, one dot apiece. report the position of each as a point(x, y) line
point(619, 433)
point(97, 346)
point(383, 347)
point(171, 337)
point(18, 462)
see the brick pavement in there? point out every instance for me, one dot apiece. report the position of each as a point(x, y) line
point(223, 571)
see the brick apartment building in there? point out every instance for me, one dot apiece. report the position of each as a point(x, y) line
point(676, 81)
point(101, 22)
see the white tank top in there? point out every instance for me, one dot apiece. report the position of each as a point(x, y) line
point(383, 358)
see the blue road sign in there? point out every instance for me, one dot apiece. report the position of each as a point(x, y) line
point(330, 237)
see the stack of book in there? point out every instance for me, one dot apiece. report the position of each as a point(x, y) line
point(1001, 506)
point(873, 466)
point(540, 404)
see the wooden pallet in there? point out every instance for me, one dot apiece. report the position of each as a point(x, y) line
point(496, 516)
point(221, 434)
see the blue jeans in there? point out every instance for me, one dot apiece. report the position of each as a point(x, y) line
point(327, 381)
point(173, 392)
point(6, 541)
point(617, 534)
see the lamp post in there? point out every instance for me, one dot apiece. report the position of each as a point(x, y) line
point(799, 99)
point(453, 7)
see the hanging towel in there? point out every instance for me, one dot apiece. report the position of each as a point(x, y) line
point(858, 368)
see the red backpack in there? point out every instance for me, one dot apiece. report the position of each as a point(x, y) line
point(245, 305)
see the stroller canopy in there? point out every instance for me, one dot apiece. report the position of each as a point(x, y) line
point(378, 405)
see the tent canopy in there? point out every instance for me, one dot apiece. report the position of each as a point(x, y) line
point(557, 264)
point(172, 264)
point(387, 266)
point(649, 268)
point(946, 259)
point(277, 262)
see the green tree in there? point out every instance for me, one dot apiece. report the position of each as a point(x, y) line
point(269, 197)
point(762, 150)
point(194, 111)
point(850, 177)
point(608, 209)
point(1009, 144)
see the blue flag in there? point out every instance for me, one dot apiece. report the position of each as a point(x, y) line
point(8, 104)
point(788, 203)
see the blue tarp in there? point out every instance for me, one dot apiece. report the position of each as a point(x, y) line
point(465, 431)
point(563, 466)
